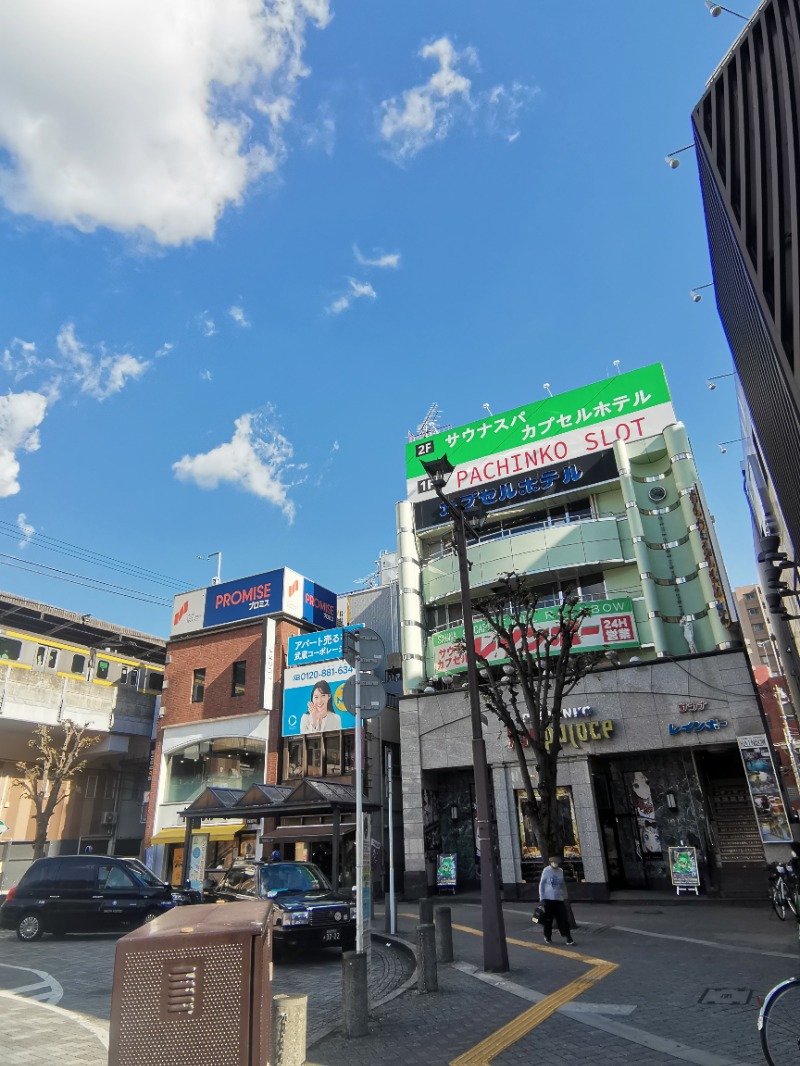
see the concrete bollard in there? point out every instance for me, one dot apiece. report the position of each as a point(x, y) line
point(289, 1016)
point(444, 934)
point(426, 911)
point(355, 995)
point(427, 980)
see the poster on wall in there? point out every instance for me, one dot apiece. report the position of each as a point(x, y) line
point(646, 825)
point(569, 825)
point(764, 791)
point(683, 869)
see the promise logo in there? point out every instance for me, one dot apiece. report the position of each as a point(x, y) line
point(295, 585)
point(182, 610)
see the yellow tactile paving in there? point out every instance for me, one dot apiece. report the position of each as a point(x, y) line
point(483, 1053)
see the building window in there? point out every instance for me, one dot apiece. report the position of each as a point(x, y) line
point(759, 627)
point(333, 753)
point(753, 610)
point(314, 756)
point(237, 683)
point(198, 685)
point(91, 786)
point(225, 762)
point(78, 664)
point(749, 595)
point(295, 752)
point(348, 753)
point(155, 682)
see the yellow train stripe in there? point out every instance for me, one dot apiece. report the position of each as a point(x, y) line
point(31, 638)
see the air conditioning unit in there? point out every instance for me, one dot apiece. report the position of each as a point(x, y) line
point(109, 818)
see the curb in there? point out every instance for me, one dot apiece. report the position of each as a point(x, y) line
point(399, 942)
point(98, 1032)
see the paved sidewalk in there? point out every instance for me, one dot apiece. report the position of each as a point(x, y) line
point(35, 1034)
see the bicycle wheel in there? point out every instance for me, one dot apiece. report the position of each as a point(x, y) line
point(791, 901)
point(779, 902)
point(779, 1024)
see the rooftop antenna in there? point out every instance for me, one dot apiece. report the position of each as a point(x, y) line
point(429, 424)
point(488, 410)
point(546, 388)
point(615, 364)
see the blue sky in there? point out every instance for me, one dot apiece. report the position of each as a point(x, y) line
point(246, 246)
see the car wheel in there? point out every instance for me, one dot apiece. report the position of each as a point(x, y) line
point(30, 927)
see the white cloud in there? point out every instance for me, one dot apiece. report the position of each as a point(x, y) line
point(19, 359)
point(26, 529)
point(358, 289)
point(21, 414)
point(206, 324)
point(238, 316)
point(165, 349)
point(206, 375)
point(377, 259)
point(502, 108)
point(255, 459)
point(98, 376)
point(144, 116)
point(426, 111)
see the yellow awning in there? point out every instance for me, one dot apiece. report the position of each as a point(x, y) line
point(176, 834)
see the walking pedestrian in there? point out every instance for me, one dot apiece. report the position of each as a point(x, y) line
point(553, 895)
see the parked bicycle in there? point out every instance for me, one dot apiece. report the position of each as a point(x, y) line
point(784, 890)
point(779, 1024)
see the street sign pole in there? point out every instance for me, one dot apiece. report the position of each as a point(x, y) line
point(359, 814)
point(392, 924)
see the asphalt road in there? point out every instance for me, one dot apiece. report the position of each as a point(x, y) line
point(76, 973)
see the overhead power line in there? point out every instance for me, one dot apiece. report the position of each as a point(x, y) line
point(96, 584)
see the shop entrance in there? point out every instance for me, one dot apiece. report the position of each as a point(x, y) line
point(619, 829)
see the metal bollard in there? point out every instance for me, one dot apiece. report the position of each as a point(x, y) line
point(425, 911)
point(427, 980)
point(444, 934)
point(355, 995)
point(289, 1015)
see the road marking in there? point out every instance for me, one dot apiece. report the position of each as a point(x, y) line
point(52, 992)
point(706, 943)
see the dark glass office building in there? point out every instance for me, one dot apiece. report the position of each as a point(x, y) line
point(747, 133)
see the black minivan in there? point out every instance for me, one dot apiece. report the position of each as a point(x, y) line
point(83, 894)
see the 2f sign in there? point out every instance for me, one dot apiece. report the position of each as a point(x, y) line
point(423, 449)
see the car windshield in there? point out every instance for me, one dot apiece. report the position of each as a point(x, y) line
point(291, 877)
point(147, 877)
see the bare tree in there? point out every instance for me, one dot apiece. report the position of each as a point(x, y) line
point(41, 781)
point(527, 691)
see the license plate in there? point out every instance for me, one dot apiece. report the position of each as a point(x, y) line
point(332, 935)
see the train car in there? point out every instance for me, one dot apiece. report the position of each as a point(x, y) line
point(106, 665)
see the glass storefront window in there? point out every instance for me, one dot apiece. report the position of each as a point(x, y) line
point(295, 752)
point(226, 762)
point(333, 753)
point(314, 756)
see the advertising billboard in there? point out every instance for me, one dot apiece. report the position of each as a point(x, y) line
point(765, 791)
point(274, 592)
point(247, 597)
point(581, 473)
point(317, 647)
point(610, 625)
point(541, 435)
point(313, 698)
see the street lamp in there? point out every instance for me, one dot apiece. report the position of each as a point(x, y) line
point(495, 949)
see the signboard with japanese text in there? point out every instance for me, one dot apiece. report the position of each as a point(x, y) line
point(609, 625)
point(536, 485)
point(197, 860)
point(764, 789)
point(274, 592)
point(317, 647)
point(540, 436)
point(313, 698)
point(446, 869)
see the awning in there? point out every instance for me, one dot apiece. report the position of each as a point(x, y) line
point(306, 832)
point(176, 834)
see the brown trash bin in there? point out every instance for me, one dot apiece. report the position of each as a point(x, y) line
point(194, 986)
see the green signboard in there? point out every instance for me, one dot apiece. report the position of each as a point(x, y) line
point(553, 430)
point(610, 624)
